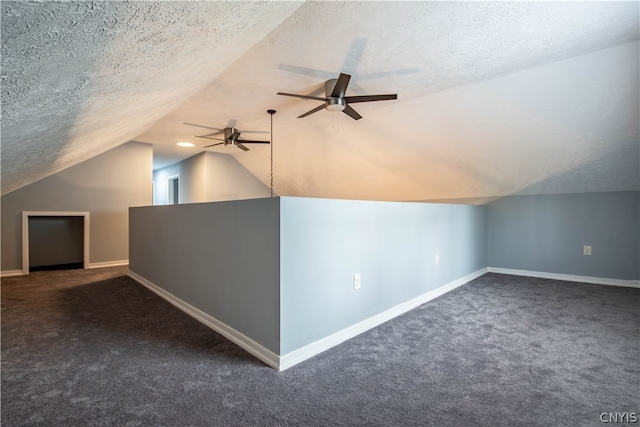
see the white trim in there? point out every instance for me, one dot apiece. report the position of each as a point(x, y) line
point(109, 264)
point(25, 235)
point(294, 357)
point(567, 277)
point(11, 273)
point(257, 350)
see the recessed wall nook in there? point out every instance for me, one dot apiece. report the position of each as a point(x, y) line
point(27, 215)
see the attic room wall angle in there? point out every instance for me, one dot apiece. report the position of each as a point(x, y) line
point(209, 177)
point(105, 186)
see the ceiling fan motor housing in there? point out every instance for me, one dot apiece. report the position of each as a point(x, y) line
point(336, 104)
point(333, 103)
point(329, 85)
point(228, 132)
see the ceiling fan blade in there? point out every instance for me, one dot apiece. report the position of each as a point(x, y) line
point(369, 98)
point(341, 86)
point(207, 137)
point(254, 142)
point(252, 131)
point(219, 131)
point(351, 113)
point(213, 145)
point(301, 96)
point(242, 147)
point(315, 110)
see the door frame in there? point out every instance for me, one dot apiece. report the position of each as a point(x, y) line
point(170, 191)
point(25, 235)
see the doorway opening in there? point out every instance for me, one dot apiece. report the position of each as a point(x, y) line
point(173, 197)
point(54, 241)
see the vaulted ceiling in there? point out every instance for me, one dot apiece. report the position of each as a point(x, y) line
point(494, 98)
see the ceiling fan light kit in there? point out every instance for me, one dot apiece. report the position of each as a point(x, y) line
point(336, 104)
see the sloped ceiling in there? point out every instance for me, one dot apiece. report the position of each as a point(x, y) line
point(494, 98)
point(80, 78)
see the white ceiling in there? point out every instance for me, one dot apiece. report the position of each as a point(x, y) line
point(494, 98)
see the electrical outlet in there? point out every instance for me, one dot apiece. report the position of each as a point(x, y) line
point(356, 281)
point(437, 258)
point(587, 250)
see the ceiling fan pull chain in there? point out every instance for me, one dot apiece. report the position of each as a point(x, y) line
point(271, 113)
point(271, 146)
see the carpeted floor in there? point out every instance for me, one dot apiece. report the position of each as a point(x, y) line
point(93, 347)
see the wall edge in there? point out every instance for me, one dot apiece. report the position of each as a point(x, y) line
point(241, 340)
point(567, 277)
point(296, 356)
point(105, 264)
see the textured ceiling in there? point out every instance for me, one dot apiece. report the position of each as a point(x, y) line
point(494, 98)
point(80, 78)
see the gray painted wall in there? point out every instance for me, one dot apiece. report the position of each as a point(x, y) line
point(226, 179)
point(160, 184)
point(209, 177)
point(547, 233)
point(222, 258)
point(393, 247)
point(105, 186)
point(192, 180)
point(280, 270)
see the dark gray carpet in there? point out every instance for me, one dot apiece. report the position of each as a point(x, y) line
point(92, 347)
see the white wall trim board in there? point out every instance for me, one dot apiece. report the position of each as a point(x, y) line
point(25, 235)
point(567, 277)
point(11, 273)
point(109, 264)
point(294, 357)
point(252, 347)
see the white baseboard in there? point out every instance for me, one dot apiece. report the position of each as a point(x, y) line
point(11, 273)
point(108, 264)
point(293, 358)
point(252, 347)
point(567, 277)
